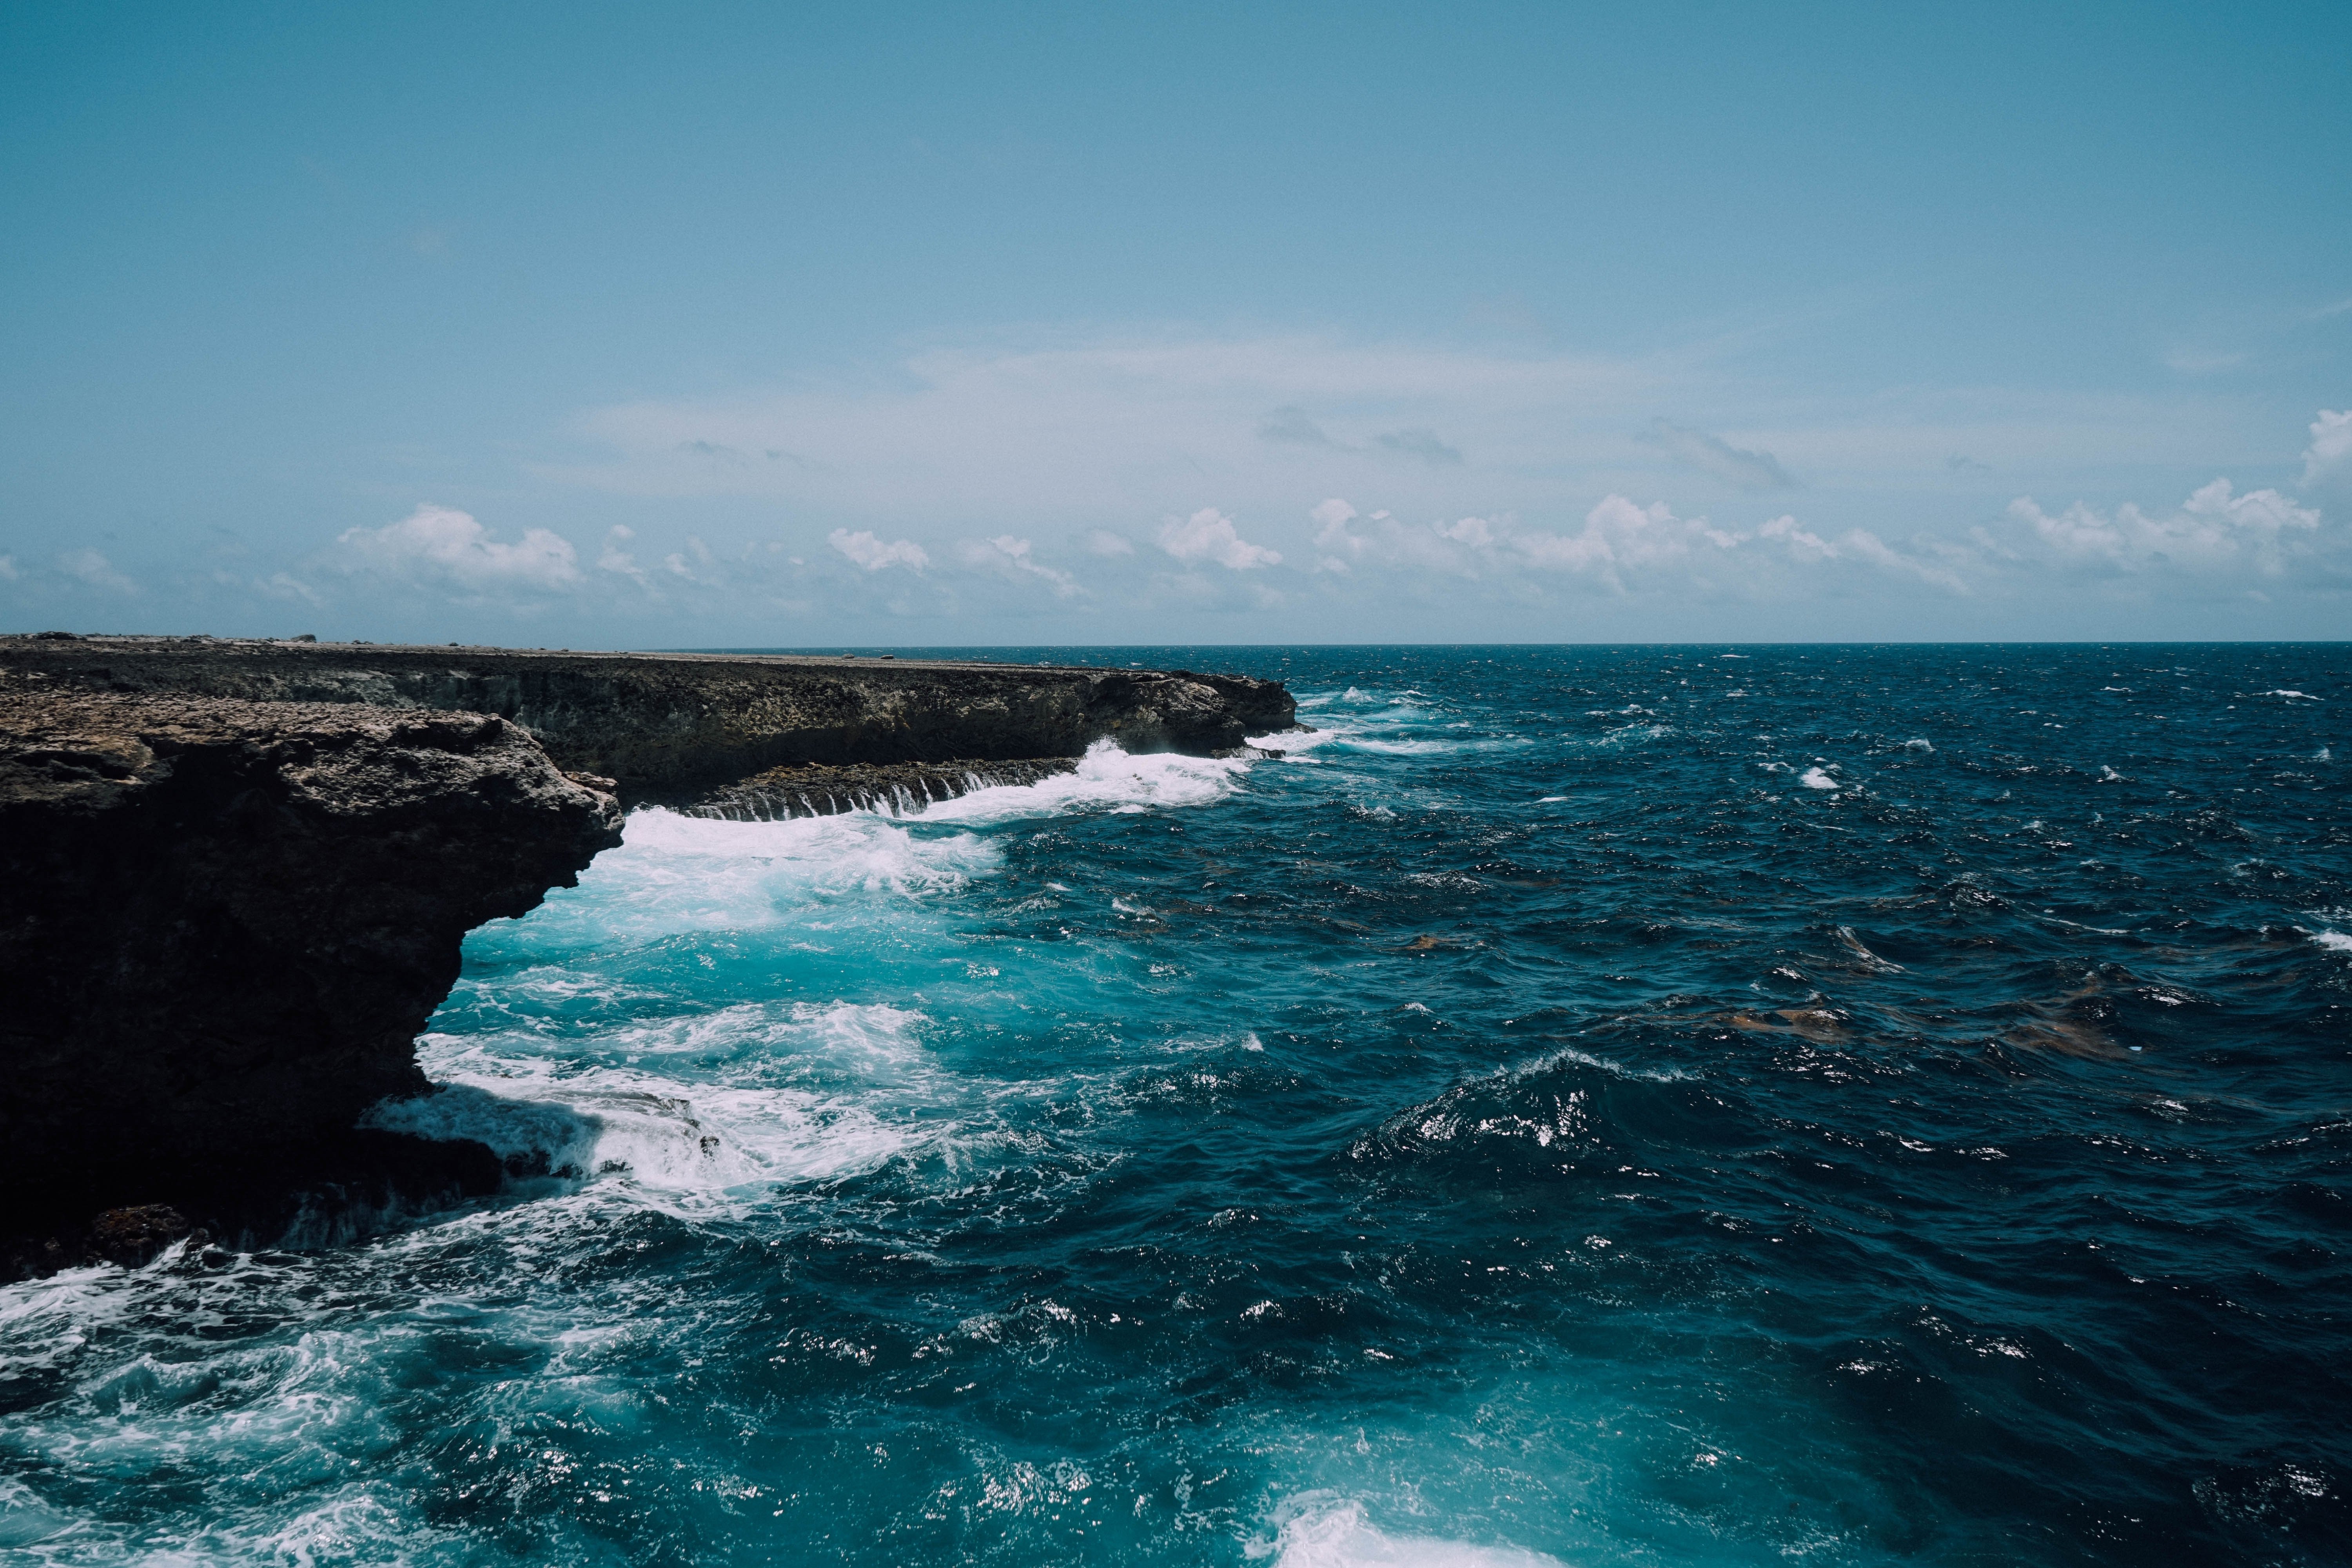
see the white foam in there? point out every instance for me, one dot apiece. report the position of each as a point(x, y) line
point(686, 1143)
point(1303, 741)
point(674, 873)
point(1634, 735)
point(25, 1517)
point(1918, 745)
point(2333, 941)
point(2109, 776)
point(1322, 1529)
point(1105, 779)
point(45, 1324)
point(1814, 778)
point(2305, 696)
point(693, 1143)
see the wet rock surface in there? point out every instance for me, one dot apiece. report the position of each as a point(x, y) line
point(899, 788)
point(222, 925)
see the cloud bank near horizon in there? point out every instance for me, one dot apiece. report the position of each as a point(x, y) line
point(1267, 485)
point(2218, 542)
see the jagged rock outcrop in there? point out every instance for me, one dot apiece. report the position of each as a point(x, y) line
point(670, 728)
point(223, 923)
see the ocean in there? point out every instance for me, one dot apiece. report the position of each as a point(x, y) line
point(1581, 1106)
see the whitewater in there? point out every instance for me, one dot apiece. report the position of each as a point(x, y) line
point(1577, 1106)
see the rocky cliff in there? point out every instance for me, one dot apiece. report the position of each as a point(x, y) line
point(223, 923)
point(234, 877)
point(671, 728)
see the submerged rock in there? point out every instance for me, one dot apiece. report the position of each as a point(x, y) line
point(222, 924)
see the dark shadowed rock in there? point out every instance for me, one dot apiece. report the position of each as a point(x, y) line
point(133, 1237)
point(223, 923)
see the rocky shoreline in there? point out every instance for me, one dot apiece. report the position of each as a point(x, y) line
point(236, 877)
point(670, 728)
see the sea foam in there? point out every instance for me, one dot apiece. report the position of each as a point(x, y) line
point(1321, 1530)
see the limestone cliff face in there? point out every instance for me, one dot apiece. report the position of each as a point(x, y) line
point(223, 923)
point(670, 727)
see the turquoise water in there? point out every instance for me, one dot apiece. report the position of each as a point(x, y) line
point(1584, 1106)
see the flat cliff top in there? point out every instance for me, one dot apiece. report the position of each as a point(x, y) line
point(64, 748)
point(669, 727)
point(246, 653)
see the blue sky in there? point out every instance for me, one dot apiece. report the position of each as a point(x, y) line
point(775, 326)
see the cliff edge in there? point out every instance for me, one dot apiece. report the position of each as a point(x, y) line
point(223, 922)
point(671, 729)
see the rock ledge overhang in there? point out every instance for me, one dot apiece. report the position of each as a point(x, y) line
point(222, 924)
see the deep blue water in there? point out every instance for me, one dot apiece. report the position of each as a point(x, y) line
point(1638, 1106)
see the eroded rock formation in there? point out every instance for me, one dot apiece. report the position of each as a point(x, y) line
point(223, 923)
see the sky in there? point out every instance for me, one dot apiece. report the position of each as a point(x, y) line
point(830, 325)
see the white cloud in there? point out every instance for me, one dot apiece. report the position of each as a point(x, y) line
point(1861, 544)
point(1210, 535)
point(439, 548)
point(870, 552)
point(1617, 537)
point(1331, 518)
point(94, 569)
point(1009, 556)
point(1750, 470)
point(8, 573)
point(701, 568)
point(286, 585)
point(2328, 459)
point(619, 562)
point(1621, 546)
point(1620, 537)
point(1103, 542)
point(2214, 530)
